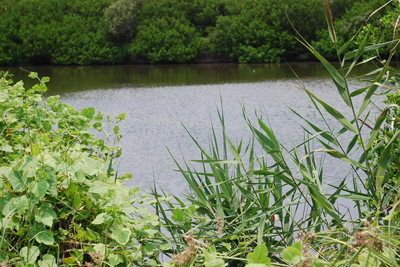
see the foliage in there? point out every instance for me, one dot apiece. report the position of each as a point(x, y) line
point(111, 31)
point(42, 32)
point(165, 40)
point(384, 30)
point(120, 17)
point(276, 206)
point(61, 200)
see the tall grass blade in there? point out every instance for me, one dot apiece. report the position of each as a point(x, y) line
point(358, 54)
point(329, 20)
point(341, 156)
point(337, 78)
point(383, 161)
point(336, 114)
point(324, 134)
point(372, 89)
point(376, 129)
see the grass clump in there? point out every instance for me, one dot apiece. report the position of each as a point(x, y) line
point(276, 208)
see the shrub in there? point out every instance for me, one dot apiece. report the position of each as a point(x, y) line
point(61, 200)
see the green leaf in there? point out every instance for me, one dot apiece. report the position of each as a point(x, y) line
point(177, 216)
point(134, 191)
point(39, 189)
point(336, 114)
point(102, 218)
point(48, 260)
point(29, 167)
point(46, 237)
point(259, 255)
point(116, 129)
point(115, 259)
point(47, 127)
point(99, 187)
point(30, 254)
point(121, 117)
point(211, 259)
point(122, 236)
point(17, 181)
point(369, 48)
point(33, 75)
point(46, 215)
point(88, 112)
point(337, 78)
point(293, 254)
point(339, 155)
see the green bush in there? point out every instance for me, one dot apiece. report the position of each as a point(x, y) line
point(165, 40)
point(57, 32)
point(121, 16)
point(61, 201)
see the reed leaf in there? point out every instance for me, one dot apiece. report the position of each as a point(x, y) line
point(336, 114)
point(337, 78)
point(329, 20)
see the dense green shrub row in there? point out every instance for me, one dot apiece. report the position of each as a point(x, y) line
point(110, 31)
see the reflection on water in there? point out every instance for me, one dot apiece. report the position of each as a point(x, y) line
point(158, 99)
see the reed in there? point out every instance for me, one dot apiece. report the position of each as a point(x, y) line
point(240, 202)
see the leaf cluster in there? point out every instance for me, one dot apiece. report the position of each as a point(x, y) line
point(61, 201)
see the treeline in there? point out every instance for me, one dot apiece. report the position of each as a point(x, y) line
point(176, 31)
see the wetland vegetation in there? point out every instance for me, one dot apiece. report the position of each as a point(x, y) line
point(251, 203)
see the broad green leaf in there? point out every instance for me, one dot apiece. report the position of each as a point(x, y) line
point(211, 259)
point(30, 254)
point(122, 236)
point(121, 117)
point(99, 187)
point(134, 191)
point(47, 127)
point(39, 189)
point(17, 181)
point(259, 255)
point(93, 166)
point(48, 260)
point(6, 148)
point(46, 237)
point(115, 259)
point(116, 129)
point(293, 254)
point(102, 218)
point(29, 167)
point(177, 216)
point(88, 112)
point(46, 215)
point(33, 75)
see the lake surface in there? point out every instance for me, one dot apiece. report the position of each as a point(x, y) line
point(158, 100)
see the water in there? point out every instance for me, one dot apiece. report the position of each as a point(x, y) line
point(158, 100)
